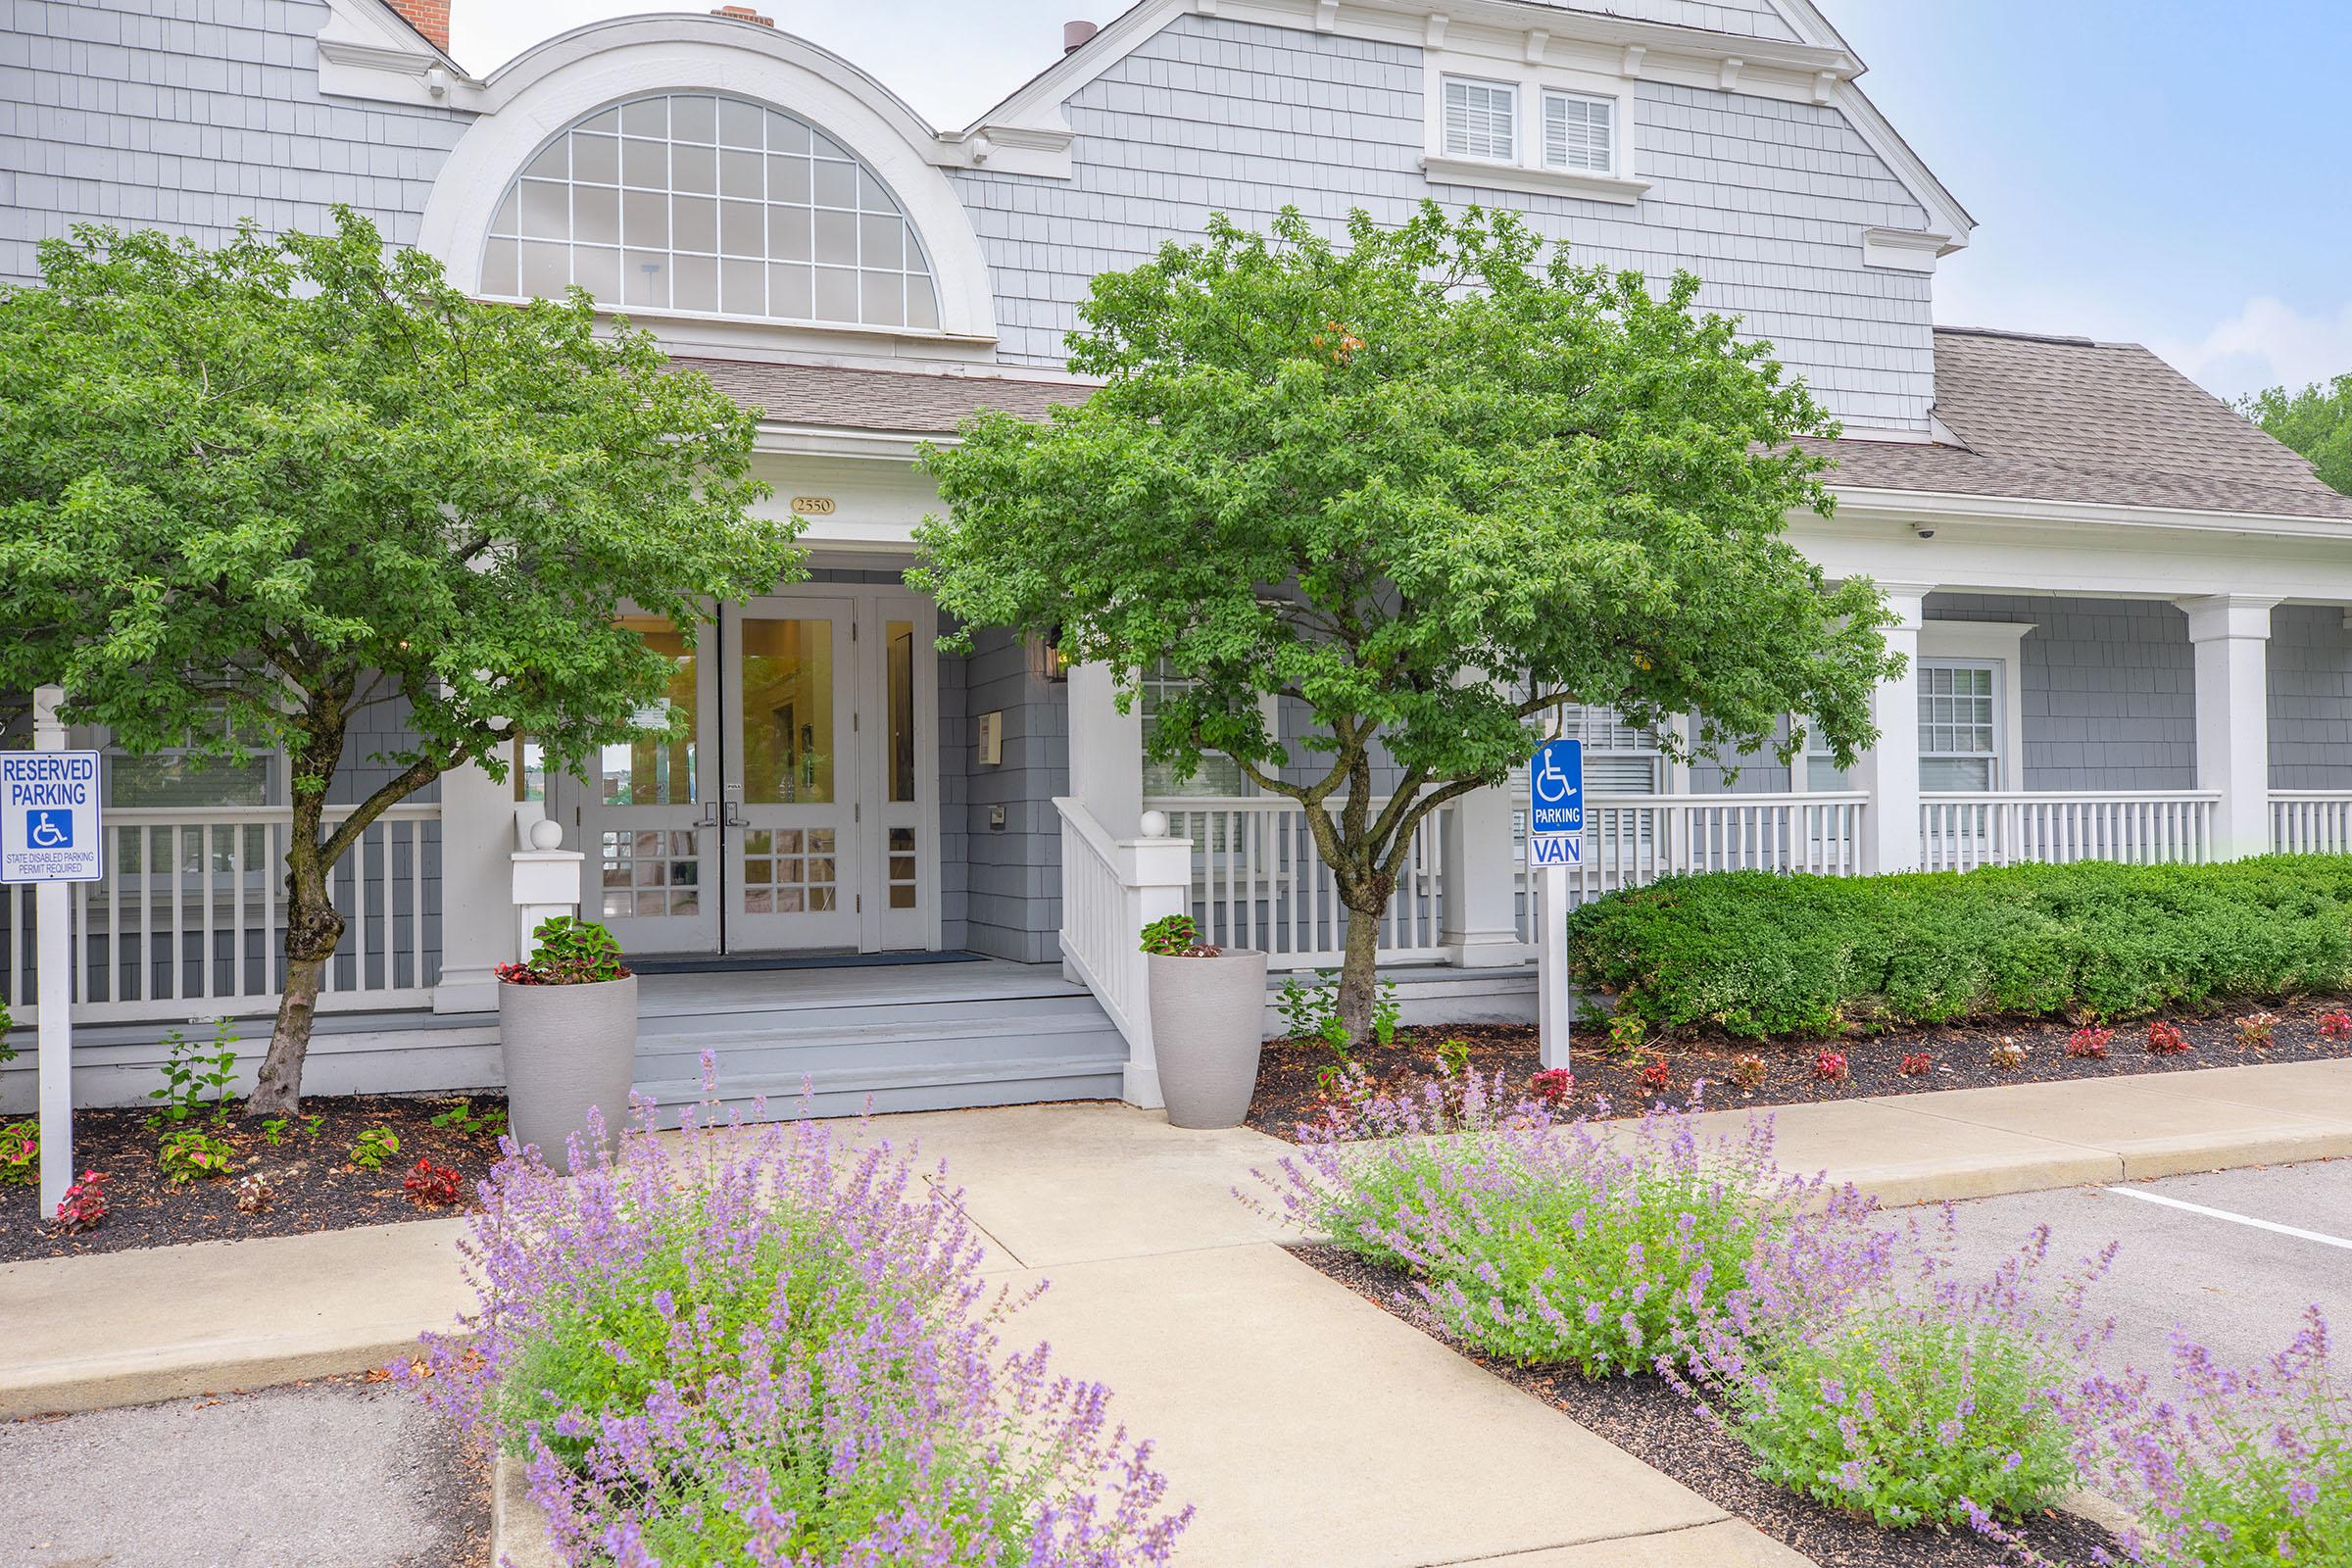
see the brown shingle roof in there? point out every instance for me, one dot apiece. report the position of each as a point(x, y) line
point(899, 402)
point(2055, 419)
point(2038, 419)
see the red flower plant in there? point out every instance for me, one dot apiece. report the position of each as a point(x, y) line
point(430, 1185)
point(1552, 1085)
point(2336, 1025)
point(1916, 1064)
point(2089, 1041)
point(84, 1204)
point(1657, 1076)
point(1830, 1067)
point(2166, 1039)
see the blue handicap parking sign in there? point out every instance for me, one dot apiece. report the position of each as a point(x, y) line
point(1555, 782)
point(49, 830)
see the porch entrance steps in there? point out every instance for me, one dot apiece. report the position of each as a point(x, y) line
point(940, 1037)
point(918, 1037)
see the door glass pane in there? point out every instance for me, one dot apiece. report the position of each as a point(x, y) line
point(648, 874)
point(788, 740)
point(897, 640)
point(659, 768)
point(902, 879)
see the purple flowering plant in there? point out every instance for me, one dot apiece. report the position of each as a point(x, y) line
point(769, 1345)
point(1904, 1394)
point(2225, 1467)
point(1551, 1243)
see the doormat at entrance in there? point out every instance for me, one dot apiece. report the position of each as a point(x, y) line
point(741, 962)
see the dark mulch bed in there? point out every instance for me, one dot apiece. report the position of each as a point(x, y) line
point(316, 1186)
point(1289, 1092)
point(1649, 1420)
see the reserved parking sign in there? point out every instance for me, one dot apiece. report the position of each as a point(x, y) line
point(49, 829)
point(1556, 823)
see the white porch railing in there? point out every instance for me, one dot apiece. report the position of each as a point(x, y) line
point(1259, 881)
point(2310, 821)
point(1958, 832)
point(1633, 840)
point(189, 921)
point(1111, 890)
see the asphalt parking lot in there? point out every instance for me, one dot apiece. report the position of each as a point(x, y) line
point(2233, 1257)
point(334, 1474)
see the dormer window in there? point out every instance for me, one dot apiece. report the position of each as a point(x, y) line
point(1482, 119)
point(1536, 125)
point(1580, 132)
point(706, 204)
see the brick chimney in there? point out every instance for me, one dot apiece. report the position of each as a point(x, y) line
point(743, 14)
point(429, 16)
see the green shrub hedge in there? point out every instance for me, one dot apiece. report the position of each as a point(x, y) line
point(1763, 956)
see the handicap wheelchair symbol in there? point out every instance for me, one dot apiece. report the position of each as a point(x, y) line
point(1552, 784)
point(49, 830)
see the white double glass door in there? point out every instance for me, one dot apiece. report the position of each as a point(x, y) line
point(792, 805)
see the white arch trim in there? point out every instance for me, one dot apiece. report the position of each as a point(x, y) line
point(562, 81)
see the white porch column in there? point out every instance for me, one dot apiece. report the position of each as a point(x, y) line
point(1107, 752)
point(477, 894)
point(2231, 633)
point(1890, 771)
point(1677, 779)
point(1479, 900)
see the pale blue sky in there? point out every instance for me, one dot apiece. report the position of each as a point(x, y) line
point(2167, 173)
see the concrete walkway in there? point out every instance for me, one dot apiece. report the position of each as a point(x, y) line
point(1312, 1427)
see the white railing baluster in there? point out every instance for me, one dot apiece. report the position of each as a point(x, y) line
point(2310, 821)
point(173, 898)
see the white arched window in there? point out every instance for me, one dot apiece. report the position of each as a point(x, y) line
point(714, 205)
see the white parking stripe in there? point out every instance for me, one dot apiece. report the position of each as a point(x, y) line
point(2236, 1219)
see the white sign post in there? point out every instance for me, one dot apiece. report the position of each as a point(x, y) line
point(50, 836)
point(1555, 842)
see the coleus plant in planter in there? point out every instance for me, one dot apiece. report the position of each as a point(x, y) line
point(568, 1032)
point(1209, 1013)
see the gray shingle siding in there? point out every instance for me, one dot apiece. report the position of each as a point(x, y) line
point(2310, 698)
point(190, 117)
point(2107, 690)
point(1013, 903)
point(1765, 200)
point(1755, 18)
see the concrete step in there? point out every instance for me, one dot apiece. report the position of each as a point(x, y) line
point(847, 1090)
point(941, 1044)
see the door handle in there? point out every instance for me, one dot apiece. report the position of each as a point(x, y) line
point(734, 813)
point(709, 817)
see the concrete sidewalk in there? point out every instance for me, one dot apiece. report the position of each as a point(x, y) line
point(1312, 1426)
point(131, 1328)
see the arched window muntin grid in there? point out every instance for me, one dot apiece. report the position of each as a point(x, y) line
point(710, 205)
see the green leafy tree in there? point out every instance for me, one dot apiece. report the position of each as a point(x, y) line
point(1429, 484)
point(2315, 421)
point(248, 494)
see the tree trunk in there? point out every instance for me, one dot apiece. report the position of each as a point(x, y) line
point(1358, 967)
point(313, 930)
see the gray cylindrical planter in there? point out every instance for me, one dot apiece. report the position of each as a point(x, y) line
point(568, 1048)
point(1209, 1019)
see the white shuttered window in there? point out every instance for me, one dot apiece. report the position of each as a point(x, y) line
point(1480, 120)
point(1580, 132)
